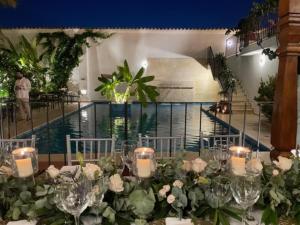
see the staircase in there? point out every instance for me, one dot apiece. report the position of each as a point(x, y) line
point(239, 99)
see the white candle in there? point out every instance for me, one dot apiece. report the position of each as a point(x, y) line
point(238, 159)
point(238, 165)
point(143, 168)
point(24, 167)
point(23, 161)
point(144, 162)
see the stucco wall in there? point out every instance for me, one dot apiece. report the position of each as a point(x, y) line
point(251, 67)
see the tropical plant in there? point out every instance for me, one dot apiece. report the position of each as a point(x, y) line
point(62, 54)
point(22, 56)
point(225, 76)
point(266, 92)
point(123, 85)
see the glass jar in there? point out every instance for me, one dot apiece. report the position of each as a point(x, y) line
point(24, 162)
point(239, 157)
point(144, 164)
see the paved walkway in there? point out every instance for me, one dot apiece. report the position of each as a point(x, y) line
point(251, 128)
point(39, 117)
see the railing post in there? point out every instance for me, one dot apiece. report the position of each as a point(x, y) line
point(126, 121)
point(156, 116)
point(95, 119)
point(8, 120)
point(171, 127)
point(79, 117)
point(63, 118)
point(185, 119)
point(110, 117)
point(48, 130)
point(141, 118)
point(200, 126)
point(244, 126)
point(1, 122)
point(259, 127)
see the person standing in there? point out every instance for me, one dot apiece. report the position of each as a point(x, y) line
point(22, 89)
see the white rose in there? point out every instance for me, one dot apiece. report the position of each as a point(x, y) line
point(167, 188)
point(162, 193)
point(116, 183)
point(295, 152)
point(275, 172)
point(283, 163)
point(186, 166)
point(198, 165)
point(178, 183)
point(6, 170)
point(52, 171)
point(92, 171)
point(254, 165)
point(171, 198)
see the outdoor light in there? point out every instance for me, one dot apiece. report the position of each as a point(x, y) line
point(83, 91)
point(229, 43)
point(262, 60)
point(84, 114)
point(144, 64)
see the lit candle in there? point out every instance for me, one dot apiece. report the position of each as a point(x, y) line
point(144, 162)
point(24, 167)
point(143, 168)
point(239, 155)
point(23, 161)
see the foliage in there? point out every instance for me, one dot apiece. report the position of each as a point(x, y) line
point(23, 56)
point(145, 201)
point(258, 12)
point(266, 93)
point(280, 197)
point(123, 85)
point(62, 54)
point(225, 76)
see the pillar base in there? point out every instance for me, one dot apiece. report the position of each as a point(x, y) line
point(275, 153)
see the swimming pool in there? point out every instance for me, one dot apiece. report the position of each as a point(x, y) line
point(100, 120)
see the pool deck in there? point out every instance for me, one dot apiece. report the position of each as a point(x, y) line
point(39, 118)
point(251, 128)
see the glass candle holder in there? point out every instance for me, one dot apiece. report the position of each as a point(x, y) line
point(24, 162)
point(144, 164)
point(239, 156)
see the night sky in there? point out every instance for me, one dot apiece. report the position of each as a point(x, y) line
point(125, 14)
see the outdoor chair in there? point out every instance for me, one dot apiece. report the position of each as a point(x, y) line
point(18, 143)
point(92, 149)
point(213, 141)
point(165, 147)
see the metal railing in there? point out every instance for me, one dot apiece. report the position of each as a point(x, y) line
point(258, 35)
point(45, 113)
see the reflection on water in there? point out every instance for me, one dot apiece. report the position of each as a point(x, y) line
point(95, 121)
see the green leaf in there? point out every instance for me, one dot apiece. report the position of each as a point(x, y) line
point(16, 213)
point(269, 217)
point(41, 203)
point(25, 196)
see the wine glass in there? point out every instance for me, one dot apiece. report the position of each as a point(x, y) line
point(246, 191)
point(126, 157)
point(75, 197)
point(221, 154)
point(219, 192)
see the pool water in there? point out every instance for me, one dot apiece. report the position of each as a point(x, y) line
point(100, 120)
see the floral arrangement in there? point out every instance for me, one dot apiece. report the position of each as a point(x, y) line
point(177, 190)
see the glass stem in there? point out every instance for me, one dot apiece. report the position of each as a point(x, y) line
point(77, 221)
point(244, 216)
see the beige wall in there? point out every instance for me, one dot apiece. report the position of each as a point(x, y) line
point(194, 80)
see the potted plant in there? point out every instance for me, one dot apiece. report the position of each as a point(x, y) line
point(123, 85)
